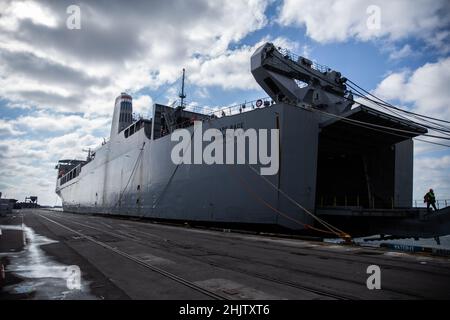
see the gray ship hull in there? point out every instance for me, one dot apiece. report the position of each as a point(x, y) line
point(352, 164)
point(201, 192)
point(135, 176)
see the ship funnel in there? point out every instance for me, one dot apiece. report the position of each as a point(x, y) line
point(123, 113)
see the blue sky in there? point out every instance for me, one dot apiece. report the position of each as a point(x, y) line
point(57, 86)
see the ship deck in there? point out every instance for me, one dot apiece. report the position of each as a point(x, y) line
point(128, 259)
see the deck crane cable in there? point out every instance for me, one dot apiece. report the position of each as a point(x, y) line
point(368, 125)
point(396, 108)
point(349, 99)
point(440, 128)
point(389, 128)
point(418, 139)
point(383, 103)
point(417, 120)
point(429, 124)
point(432, 136)
point(380, 126)
point(431, 142)
point(370, 94)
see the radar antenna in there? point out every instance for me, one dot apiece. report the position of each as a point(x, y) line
point(182, 95)
point(89, 152)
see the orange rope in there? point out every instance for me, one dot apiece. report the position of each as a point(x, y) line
point(257, 197)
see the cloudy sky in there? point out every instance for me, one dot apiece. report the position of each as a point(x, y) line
point(57, 85)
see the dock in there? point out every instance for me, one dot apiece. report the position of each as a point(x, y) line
point(134, 259)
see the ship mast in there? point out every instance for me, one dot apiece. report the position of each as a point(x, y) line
point(182, 95)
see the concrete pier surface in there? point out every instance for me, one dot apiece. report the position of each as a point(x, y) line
point(71, 256)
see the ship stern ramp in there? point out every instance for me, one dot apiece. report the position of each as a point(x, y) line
point(365, 172)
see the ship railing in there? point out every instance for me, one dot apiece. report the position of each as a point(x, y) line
point(228, 110)
point(73, 173)
point(295, 57)
point(440, 203)
point(243, 107)
point(372, 202)
point(198, 109)
point(235, 108)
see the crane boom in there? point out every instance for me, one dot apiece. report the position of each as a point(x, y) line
point(295, 79)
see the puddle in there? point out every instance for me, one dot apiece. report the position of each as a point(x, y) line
point(29, 273)
point(12, 238)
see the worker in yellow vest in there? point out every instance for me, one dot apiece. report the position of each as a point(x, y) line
point(430, 199)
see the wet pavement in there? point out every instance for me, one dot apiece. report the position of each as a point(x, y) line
point(43, 252)
point(29, 272)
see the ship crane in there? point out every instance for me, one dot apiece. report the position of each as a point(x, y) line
point(351, 134)
point(295, 79)
point(340, 166)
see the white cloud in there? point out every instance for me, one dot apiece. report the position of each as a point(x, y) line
point(334, 20)
point(8, 129)
point(426, 88)
point(27, 164)
point(28, 157)
point(15, 11)
point(426, 91)
point(73, 76)
point(143, 105)
point(231, 70)
point(48, 123)
point(432, 172)
point(121, 46)
point(397, 54)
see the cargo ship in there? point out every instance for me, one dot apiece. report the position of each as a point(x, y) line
point(342, 165)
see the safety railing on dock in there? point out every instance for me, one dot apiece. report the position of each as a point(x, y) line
point(440, 203)
point(372, 202)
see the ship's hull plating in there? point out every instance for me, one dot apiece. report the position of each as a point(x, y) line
point(135, 176)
